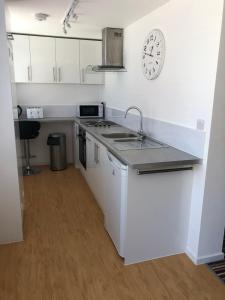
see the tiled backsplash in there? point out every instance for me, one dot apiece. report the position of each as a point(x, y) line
point(183, 138)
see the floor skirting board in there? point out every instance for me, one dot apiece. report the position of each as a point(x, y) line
point(204, 259)
point(210, 258)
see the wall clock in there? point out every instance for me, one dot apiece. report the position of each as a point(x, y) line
point(153, 54)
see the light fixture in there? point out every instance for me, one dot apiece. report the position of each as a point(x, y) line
point(41, 16)
point(68, 25)
point(64, 30)
point(71, 16)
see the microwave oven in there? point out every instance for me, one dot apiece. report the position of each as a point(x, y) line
point(91, 110)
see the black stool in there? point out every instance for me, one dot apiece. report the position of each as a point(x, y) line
point(28, 130)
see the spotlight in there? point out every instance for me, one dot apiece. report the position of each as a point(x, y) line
point(64, 29)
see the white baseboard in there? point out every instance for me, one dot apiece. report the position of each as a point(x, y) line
point(2, 243)
point(204, 259)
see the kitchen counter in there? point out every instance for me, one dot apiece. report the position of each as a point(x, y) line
point(144, 160)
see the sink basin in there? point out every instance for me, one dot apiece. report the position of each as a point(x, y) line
point(119, 135)
point(131, 144)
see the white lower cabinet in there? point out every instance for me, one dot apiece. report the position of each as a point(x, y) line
point(96, 153)
point(107, 178)
point(115, 200)
point(146, 216)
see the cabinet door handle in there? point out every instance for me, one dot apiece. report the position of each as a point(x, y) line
point(59, 75)
point(54, 74)
point(29, 73)
point(109, 157)
point(96, 153)
point(83, 76)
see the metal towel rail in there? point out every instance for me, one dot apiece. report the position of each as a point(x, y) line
point(164, 170)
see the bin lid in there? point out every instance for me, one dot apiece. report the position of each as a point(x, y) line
point(56, 134)
point(55, 138)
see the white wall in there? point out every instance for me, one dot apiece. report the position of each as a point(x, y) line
point(57, 94)
point(10, 210)
point(183, 93)
point(184, 90)
point(53, 96)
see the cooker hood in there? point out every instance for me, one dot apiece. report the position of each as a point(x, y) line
point(112, 51)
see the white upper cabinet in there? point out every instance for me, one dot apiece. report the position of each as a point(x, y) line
point(40, 59)
point(90, 55)
point(12, 77)
point(21, 56)
point(43, 65)
point(67, 60)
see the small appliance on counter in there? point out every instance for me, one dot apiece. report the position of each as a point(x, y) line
point(90, 110)
point(35, 112)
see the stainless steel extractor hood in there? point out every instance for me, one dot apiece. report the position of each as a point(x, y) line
point(112, 51)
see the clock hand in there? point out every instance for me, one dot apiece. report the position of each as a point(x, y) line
point(148, 54)
point(151, 50)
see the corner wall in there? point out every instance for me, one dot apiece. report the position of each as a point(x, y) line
point(213, 212)
point(10, 210)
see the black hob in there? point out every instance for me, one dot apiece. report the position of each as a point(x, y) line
point(99, 123)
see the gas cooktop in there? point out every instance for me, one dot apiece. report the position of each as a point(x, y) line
point(99, 123)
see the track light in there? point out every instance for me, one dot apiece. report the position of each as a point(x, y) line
point(70, 15)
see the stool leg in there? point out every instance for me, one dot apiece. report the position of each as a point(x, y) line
point(28, 155)
point(28, 170)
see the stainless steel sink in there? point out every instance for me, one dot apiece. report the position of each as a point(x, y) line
point(134, 144)
point(119, 135)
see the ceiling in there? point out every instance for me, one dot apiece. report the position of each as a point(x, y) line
point(93, 14)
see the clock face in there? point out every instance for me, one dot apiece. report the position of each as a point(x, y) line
point(153, 54)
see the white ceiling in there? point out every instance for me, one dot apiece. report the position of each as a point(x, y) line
point(93, 14)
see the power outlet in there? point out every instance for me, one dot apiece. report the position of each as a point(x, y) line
point(200, 125)
point(35, 112)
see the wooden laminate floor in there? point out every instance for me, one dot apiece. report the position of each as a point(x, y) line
point(68, 255)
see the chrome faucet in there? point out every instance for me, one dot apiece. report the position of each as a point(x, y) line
point(141, 131)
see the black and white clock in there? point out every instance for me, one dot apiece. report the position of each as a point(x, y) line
point(153, 55)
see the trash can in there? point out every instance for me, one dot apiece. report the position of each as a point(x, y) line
point(57, 143)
